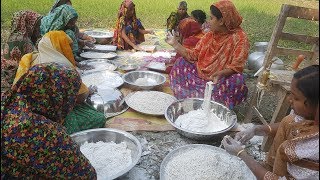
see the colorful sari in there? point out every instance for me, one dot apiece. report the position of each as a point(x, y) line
point(213, 53)
point(131, 27)
point(18, 44)
point(55, 47)
point(294, 153)
point(35, 145)
point(57, 20)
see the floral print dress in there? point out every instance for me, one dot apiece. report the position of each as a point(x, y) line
point(34, 143)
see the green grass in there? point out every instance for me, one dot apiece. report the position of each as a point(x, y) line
point(259, 16)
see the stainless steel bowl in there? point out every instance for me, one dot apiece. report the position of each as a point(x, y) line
point(109, 101)
point(108, 135)
point(243, 170)
point(183, 106)
point(128, 67)
point(130, 78)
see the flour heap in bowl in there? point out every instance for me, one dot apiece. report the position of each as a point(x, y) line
point(198, 121)
point(108, 158)
point(202, 120)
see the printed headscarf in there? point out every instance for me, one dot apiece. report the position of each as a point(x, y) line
point(58, 19)
point(230, 14)
point(188, 27)
point(19, 42)
point(47, 90)
point(58, 3)
point(122, 22)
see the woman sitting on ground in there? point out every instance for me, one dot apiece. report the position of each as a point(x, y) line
point(175, 17)
point(35, 143)
point(294, 153)
point(190, 33)
point(55, 46)
point(129, 31)
point(25, 31)
point(63, 18)
point(83, 39)
point(219, 56)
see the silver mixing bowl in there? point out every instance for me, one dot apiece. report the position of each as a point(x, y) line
point(131, 77)
point(109, 101)
point(183, 106)
point(108, 135)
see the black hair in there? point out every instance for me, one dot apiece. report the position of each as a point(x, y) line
point(308, 83)
point(215, 11)
point(199, 15)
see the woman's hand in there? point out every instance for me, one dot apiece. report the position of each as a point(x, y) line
point(245, 136)
point(171, 38)
point(231, 145)
point(150, 32)
point(92, 89)
point(137, 48)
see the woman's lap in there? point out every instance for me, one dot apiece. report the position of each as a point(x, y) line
point(185, 83)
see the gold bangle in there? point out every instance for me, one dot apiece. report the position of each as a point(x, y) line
point(240, 152)
point(269, 127)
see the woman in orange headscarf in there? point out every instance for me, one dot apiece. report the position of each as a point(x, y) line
point(219, 56)
point(129, 31)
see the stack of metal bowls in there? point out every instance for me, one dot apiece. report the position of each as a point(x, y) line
point(183, 106)
point(109, 101)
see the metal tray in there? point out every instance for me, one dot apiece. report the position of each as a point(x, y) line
point(99, 34)
point(98, 55)
point(149, 102)
point(102, 79)
point(98, 65)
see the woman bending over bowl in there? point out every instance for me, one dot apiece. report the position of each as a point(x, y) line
point(25, 32)
point(294, 153)
point(34, 141)
point(55, 46)
point(219, 56)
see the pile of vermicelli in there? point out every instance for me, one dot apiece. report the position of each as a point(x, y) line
point(108, 158)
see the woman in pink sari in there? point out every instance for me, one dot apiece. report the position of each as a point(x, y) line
point(219, 56)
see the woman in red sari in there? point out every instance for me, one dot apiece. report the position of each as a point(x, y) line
point(219, 56)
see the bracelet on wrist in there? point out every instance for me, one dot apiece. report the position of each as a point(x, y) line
point(270, 129)
point(238, 154)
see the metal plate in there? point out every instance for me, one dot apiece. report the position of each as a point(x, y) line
point(102, 79)
point(98, 65)
point(157, 66)
point(140, 102)
point(225, 158)
point(102, 48)
point(98, 55)
point(99, 34)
